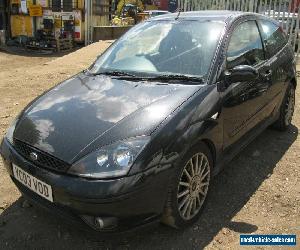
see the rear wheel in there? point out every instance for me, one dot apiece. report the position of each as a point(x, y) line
point(286, 110)
point(189, 188)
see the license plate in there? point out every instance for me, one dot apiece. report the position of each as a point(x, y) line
point(41, 188)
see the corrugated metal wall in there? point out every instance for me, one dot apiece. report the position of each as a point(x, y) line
point(286, 12)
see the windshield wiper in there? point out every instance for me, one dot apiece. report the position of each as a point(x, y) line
point(164, 78)
point(171, 77)
point(115, 73)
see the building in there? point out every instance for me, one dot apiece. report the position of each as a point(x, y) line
point(56, 18)
point(62, 19)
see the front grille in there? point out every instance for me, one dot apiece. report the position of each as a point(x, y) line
point(44, 160)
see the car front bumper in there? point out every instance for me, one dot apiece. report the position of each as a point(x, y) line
point(122, 203)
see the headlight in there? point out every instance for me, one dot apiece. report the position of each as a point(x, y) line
point(11, 130)
point(110, 161)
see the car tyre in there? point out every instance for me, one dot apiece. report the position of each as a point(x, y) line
point(189, 188)
point(286, 110)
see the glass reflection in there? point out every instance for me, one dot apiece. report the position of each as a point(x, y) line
point(163, 47)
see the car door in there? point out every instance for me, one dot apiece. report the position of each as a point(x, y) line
point(279, 60)
point(244, 102)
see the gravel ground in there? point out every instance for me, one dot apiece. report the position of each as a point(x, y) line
point(259, 191)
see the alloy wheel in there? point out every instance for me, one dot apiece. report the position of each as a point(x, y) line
point(193, 186)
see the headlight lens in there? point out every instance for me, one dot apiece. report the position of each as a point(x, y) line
point(110, 161)
point(123, 156)
point(102, 158)
point(11, 130)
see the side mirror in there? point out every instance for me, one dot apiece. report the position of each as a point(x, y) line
point(241, 73)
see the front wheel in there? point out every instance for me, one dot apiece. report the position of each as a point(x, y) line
point(189, 188)
point(286, 110)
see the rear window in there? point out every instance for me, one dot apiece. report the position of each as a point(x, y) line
point(273, 36)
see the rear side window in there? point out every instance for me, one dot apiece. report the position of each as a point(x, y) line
point(273, 36)
point(245, 46)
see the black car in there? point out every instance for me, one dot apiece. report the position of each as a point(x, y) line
point(138, 136)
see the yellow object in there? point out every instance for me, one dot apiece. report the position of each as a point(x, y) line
point(123, 21)
point(150, 7)
point(80, 4)
point(21, 25)
point(77, 22)
point(15, 2)
point(57, 23)
point(35, 10)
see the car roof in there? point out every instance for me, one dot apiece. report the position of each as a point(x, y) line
point(215, 15)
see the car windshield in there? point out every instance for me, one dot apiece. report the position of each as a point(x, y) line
point(160, 48)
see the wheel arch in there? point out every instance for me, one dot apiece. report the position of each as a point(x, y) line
point(211, 148)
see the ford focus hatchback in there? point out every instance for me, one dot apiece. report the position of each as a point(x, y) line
point(138, 136)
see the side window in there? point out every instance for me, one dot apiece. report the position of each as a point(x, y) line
point(245, 47)
point(273, 36)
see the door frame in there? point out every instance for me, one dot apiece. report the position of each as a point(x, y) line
point(222, 69)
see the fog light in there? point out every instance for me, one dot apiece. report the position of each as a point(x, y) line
point(106, 222)
point(100, 223)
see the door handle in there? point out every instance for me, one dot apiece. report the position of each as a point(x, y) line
point(267, 73)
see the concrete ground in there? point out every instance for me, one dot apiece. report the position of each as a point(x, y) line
point(258, 192)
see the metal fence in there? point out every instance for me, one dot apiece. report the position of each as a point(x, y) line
point(286, 12)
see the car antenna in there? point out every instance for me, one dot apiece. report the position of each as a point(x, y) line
point(179, 11)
